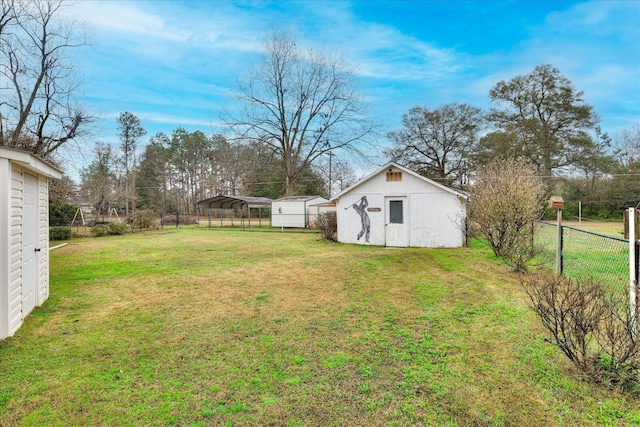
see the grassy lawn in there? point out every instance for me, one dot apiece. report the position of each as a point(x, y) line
point(587, 254)
point(208, 327)
point(609, 228)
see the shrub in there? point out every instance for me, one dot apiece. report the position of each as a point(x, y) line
point(591, 326)
point(100, 230)
point(60, 233)
point(117, 228)
point(143, 218)
point(61, 213)
point(504, 202)
point(327, 223)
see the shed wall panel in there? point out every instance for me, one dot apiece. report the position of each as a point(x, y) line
point(288, 214)
point(436, 220)
point(6, 192)
point(351, 223)
point(43, 241)
point(15, 263)
point(293, 213)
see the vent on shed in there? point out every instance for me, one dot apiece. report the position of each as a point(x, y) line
point(394, 176)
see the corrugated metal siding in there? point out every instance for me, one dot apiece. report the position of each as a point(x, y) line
point(15, 263)
point(43, 240)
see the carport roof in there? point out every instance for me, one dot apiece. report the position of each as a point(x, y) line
point(229, 202)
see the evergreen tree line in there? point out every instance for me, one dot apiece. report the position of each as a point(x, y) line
point(176, 171)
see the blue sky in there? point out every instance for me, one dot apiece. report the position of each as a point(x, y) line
point(177, 63)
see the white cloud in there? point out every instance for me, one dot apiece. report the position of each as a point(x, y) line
point(126, 18)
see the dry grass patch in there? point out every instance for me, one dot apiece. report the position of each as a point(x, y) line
point(222, 327)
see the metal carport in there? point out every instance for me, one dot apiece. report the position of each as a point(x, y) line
point(232, 202)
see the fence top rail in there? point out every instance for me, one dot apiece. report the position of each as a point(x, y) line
point(620, 239)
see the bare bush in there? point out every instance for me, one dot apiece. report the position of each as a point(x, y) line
point(589, 324)
point(327, 223)
point(505, 200)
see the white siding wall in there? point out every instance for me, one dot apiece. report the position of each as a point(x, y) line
point(292, 215)
point(350, 222)
point(43, 240)
point(436, 220)
point(15, 250)
point(295, 213)
point(5, 244)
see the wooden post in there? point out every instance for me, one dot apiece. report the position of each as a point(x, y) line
point(580, 214)
point(632, 270)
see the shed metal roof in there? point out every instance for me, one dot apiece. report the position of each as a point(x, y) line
point(298, 198)
point(229, 202)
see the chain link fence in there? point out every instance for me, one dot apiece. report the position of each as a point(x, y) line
point(586, 253)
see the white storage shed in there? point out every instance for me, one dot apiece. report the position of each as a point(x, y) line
point(396, 206)
point(24, 236)
point(319, 208)
point(294, 211)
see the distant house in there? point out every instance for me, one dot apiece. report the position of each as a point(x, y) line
point(396, 206)
point(294, 211)
point(24, 236)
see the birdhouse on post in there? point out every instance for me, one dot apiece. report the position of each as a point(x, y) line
point(556, 202)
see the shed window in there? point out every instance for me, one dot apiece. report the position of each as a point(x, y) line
point(394, 176)
point(395, 212)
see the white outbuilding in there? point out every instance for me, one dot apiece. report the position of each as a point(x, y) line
point(294, 211)
point(396, 206)
point(24, 236)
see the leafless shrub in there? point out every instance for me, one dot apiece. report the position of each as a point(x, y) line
point(589, 324)
point(505, 200)
point(327, 223)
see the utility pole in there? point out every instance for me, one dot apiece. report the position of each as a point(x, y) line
point(330, 180)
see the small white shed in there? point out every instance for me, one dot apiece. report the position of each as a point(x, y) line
point(294, 211)
point(319, 208)
point(396, 206)
point(24, 236)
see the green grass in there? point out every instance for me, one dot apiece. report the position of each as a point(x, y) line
point(585, 254)
point(198, 327)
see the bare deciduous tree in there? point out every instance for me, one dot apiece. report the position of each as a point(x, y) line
point(99, 181)
point(627, 145)
point(38, 110)
point(506, 198)
point(438, 143)
point(300, 104)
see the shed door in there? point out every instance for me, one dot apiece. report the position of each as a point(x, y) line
point(29, 236)
point(396, 221)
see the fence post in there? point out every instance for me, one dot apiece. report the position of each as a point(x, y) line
point(559, 248)
point(632, 268)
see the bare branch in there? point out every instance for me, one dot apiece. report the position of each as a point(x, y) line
point(301, 105)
